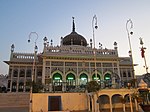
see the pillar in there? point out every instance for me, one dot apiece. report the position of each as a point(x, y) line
point(24, 89)
point(11, 80)
point(110, 101)
point(136, 106)
point(43, 72)
point(17, 86)
point(124, 108)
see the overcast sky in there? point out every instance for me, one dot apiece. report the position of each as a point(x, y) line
point(53, 19)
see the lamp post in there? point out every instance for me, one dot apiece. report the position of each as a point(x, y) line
point(129, 22)
point(142, 54)
point(33, 69)
point(94, 26)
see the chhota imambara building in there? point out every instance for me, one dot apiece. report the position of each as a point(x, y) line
point(68, 66)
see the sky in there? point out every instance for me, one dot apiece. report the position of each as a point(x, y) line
point(53, 19)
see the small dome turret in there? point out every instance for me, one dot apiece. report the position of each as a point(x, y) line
point(142, 85)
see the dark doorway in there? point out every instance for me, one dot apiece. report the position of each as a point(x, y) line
point(54, 103)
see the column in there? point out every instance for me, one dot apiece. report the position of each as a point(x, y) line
point(97, 103)
point(118, 68)
point(24, 89)
point(50, 76)
point(78, 79)
point(93, 103)
point(113, 80)
point(136, 105)
point(110, 101)
point(131, 106)
point(11, 78)
point(124, 108)
point(43, 72)
point(88, 102)
point(90, 74)
point(17, 86)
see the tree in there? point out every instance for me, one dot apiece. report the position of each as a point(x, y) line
point(92, 86)
point(37, 87)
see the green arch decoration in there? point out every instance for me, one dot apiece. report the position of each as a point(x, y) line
point(83, 76)
point(107, 76)
point(57, 76)
point(94, 77)
point(70, 76)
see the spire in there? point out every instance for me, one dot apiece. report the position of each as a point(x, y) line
point(73, 26)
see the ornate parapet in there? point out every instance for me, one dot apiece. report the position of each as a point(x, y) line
point(79, 50)
point(22, 57)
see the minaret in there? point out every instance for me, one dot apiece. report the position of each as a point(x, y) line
point(12, 50)
point(73, 26)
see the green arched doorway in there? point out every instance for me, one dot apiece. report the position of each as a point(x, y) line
point(57, 82)
point(107, 80)
point(71, 82)
point(83, 79)
point(107, 76)
point(94, 77)
point(57, 77)
point(70, 76)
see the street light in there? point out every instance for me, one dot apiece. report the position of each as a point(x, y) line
point(33, 69)
point(94, 26)
point(129, 22)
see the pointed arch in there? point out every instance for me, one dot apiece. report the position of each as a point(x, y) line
point(70, 76)
point(94, 77)
point(57, 75)
point(71, 81)
point(107, 75)
point(83, 78)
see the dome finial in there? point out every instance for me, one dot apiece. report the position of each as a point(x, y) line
point(73, 27)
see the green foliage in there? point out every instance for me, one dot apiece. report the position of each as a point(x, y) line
point(37, 87)
point(92, 86)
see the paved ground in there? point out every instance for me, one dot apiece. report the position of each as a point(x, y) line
point(26, 109)
point(14, 109)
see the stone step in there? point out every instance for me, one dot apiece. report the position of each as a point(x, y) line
point(14, 99)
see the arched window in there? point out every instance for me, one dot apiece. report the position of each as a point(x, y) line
point(107, 76)
point(70, 76)
point(57, 77)
point(124, 74)
point(14, 86)
point(39, 73)
point(15, 74)
point(129, 74)
point(28, 73)
point(96, 78)
point(22, 73)
point(21, 86)
point(83, 79)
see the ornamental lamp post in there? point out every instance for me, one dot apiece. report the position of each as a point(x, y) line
point(129, 22)
point(33, 78)
point(129, 26)
point(94, 26)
